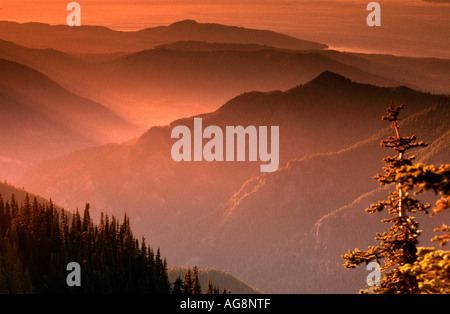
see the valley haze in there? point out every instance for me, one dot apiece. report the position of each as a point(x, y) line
point(233, 136)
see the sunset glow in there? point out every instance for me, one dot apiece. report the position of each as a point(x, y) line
point(338, 23)
point(181, 147)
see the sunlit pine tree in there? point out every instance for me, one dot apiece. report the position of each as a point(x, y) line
point(432, 267)
point(398, 246)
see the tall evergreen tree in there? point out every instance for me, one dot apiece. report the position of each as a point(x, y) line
point(398, 246)
point(209, 287)
point(164, 277)
point(196, 287)
point(187, 283)
point(178, 286)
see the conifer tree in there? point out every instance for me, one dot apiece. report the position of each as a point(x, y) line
point(432, 267)
point(178, 286)
point(187, 283)
point(16, 277)
point(3, 285)
point(209, 287)
point(398, 247)
point(196, 288)
point(4, 218)
point(38, 241)
point(164, 278)
point(14, 207)
point(421, 178)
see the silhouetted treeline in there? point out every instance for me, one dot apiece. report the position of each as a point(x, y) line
point(191, 284)
point(37, 241)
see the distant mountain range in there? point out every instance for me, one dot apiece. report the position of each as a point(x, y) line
point(228, 214)
point(98, 39)
point(150, 86)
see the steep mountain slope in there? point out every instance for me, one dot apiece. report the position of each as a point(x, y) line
point(7, 190)
point(288, 222)
point(40, 119)
point(179, 205)
point(98, 39)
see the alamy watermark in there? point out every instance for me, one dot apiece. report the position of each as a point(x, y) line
point(73, 279)
point(374, 17)
point(374, 277)
point(74, 17)
point(235, 139)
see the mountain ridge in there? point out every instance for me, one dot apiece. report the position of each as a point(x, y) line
point(81, 39)
point(47, 119)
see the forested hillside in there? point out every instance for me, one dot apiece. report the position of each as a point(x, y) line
point(37, 242)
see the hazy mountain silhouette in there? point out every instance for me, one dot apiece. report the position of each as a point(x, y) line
point(427, 74)
point(214, 46)
point(59, 66)
point(198, 79)
point(40, 119)
point(99, 39)
point(180, 206)
point(219, 278)
point(212, 32)
point(151, 87)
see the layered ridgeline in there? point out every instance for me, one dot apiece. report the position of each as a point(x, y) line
point(426, 74)
point(98, 39)
point(156, 86)
point(228, 215)
point(149, 86)
point(40, 120)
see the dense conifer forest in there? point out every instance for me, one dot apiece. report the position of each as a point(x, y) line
point(38, 241)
